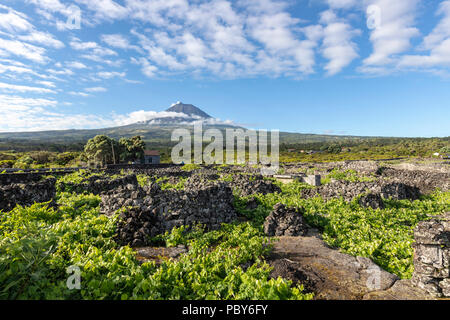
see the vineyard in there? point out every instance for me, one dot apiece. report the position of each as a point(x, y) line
point(40, 242)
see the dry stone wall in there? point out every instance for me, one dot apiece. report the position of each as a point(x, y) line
point(26, 194)
point(253, 184)
point(151, 212)
point(351, 190)
point(284, 221)
point(98, 184)
point(432, 256)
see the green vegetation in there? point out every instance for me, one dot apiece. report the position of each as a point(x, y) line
point(293, 148)
point(362, 149)
point(39, 159)
point(190, 167)
point(347, 175)
point(71, 182)
point(38, 244)
point(106, 150)
point(385, 235)
point(144, 180)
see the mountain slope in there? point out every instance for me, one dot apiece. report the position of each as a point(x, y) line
point(188, 109)
point(156, 132)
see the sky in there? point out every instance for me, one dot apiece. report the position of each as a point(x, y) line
point(341, 67)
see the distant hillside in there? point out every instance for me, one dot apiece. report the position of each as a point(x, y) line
point(156, 132)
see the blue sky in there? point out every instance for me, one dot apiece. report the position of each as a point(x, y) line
point(348, 67)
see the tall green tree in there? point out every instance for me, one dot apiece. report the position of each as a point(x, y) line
point(131, 149)
point(102, 149)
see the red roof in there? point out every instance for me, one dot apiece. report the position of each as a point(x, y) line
point(151, 152)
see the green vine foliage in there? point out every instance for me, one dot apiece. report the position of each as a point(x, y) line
point(38, 244)
point(384, 235)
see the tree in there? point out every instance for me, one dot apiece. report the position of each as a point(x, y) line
point(102, 149)
point(131, 149)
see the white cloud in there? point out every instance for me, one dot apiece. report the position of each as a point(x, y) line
point(148, 69)
point(96, 89)
point(62, 72)
point(23, 118)
point(221, 38)
point(116, 41)
point(341, 4)
point(78, 45)
point(439, 56)
point(14, 21)
point(395, 32)
point(51, 6)
point(142, 116)
point(105, 9)
point(25, 114)
point(15, 69)
point(437, 43)
point(47, 83)
point(11, 102)
point(94, 47)
point(79, 93)
point(119, 41)
point(76, 65)
point(20, 88)
point(25, 50)
point(111, 74)
point(442, 30)
point(337, 45)
point(96, 58)
point(43, 38)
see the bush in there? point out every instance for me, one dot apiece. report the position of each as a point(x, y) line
point(23, 162)
point(6, 163)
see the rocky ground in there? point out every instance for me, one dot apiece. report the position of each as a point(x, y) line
point(332, 275)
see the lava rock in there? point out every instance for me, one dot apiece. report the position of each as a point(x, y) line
point(400, 191)
point(432, 256)
point(251, 184)
point(149, 211)
point(285, 221)
point(27, 194)
point(372, 200)
point(98, 184)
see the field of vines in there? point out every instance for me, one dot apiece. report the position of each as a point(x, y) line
point(39, 243)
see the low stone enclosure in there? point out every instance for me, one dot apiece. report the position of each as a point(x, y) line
point(153, 211)
point(207, 198)
point(26, 194)
point(432, 256)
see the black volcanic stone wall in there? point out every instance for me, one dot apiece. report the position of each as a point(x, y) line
point(253, 184)
point(432, 256)
point(284, 221)
point(97, 184)
point(26, 194)
point(151, 211)
point(351, 190)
